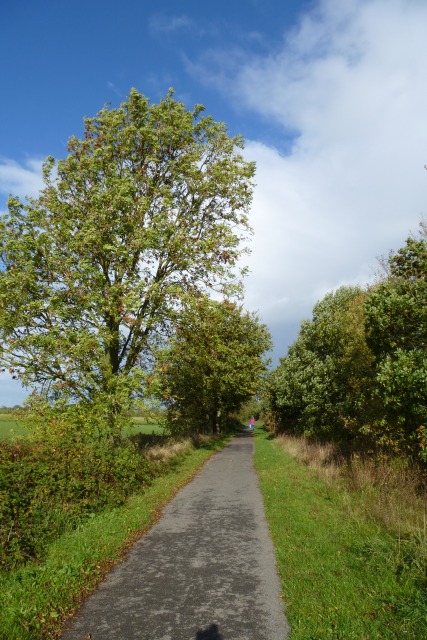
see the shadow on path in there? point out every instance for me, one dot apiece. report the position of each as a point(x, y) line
point(205, 570)
point(210, 633)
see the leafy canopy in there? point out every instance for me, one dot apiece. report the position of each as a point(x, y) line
point(148, 210)
point(321, 388)
point(212, 366)
point(396, 317)
point(358, 369)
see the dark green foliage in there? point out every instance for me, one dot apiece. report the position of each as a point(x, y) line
point(358, 370)
point(396, 319)
point(47, 489)
point(396, 310)
point(253, 407)
point(321, 388)
point(214, 364)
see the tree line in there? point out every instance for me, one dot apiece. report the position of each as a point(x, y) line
point(357, 373)
point(120, 283)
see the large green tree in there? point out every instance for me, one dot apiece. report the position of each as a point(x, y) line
point(396, 320)
point(214, 364)
point(322, 388)
point(148, 209)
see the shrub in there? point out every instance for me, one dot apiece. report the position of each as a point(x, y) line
point(46, 488)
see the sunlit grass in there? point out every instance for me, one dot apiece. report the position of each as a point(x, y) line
point(10, 427)
point(344, 574)
point(388, 491)
point(141, 425)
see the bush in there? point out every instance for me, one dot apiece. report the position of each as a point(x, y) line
point(48, 488)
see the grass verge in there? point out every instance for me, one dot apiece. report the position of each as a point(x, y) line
point(343, 577)
point(37, 599)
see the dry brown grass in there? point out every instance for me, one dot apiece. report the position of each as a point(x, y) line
point(319, 457)
point(390, 492)
point(203, 439)
point(170, 450)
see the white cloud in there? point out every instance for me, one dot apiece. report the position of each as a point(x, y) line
point(115, 89)
point(351, 80)
point(20, 180)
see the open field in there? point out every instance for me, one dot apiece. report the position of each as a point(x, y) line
point(10, 427)
point(142, 426)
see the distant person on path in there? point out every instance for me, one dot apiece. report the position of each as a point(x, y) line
point(252, 423)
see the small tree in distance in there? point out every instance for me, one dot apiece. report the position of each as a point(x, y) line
point(148, 210)
point(214, 364)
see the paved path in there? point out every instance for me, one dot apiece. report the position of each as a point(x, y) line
point(204, 571)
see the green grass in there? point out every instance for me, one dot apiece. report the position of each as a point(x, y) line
point(38, 598)
point(342, 578)
point(9, 427)
point(142, 426)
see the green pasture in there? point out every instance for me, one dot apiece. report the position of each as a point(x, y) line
point(141, 425)
point(10, 427)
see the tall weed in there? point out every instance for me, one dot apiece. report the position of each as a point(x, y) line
point(390, 491)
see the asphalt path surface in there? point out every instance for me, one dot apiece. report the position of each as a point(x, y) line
point(204, 571)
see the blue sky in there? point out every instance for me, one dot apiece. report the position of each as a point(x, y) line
point(64, 60)
point(330, 95)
